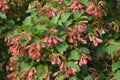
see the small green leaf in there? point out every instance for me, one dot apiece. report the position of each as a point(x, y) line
point(100, 51)
point(61, 34)
point(3, 16)
point(73, 65)
point(61, 47)
point(31, 10)
point(11, 23)
point(24, 41)
point(84, 17)
point(24, 65)
point(85, 50)
point(64, 17)
point(27, 21)
point(117, 75)
point(85, 2)
point(55, 19)
point(24, 27)
point(20, 75)
point(113, 47)
point(38, 30)
point(77, 15)
point(68, 22)
point(43, 19)
point(88, 78)
point(74, 55)
point(60, 77)
point(54, 4)
point(115, 66)
point(42, 71)
point(67, 2)
point(73, 78)
point(16, 58)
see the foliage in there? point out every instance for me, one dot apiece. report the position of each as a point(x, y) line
point(6, 26)
point(60, 40)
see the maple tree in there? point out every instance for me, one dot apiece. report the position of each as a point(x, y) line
point(60, 40)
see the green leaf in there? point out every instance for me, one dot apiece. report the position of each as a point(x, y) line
point(73, 78)
point(61, 33)
point(73, 65)
point(44, 19)
point(69, 22)
point(24, 41)
point(85, 50)
point(85, 2)
point(117, 75)
point(102, 76)
point(64, 17)
point(54, 4)
point(3, 16)
point(55, 19)
point(84, 17)
point(88, 78)
point(77, 15)
point(27, 21)
point(113, 47)
point(100, 50)
point(61, 47)
point(32, 11)
point(24, 65)
point(42, 71)
point(115, 66)
point(39, 30)
point(60, 77)
point(74, 55)
point(11, 23)
point(67, 2)
point(24, 27)
point(60, 23)
point(16, 58)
